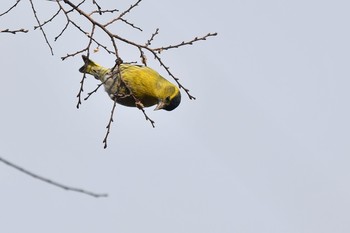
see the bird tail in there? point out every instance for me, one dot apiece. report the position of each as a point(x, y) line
point(90, 67)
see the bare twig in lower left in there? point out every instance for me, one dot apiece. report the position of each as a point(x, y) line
point(46, 180)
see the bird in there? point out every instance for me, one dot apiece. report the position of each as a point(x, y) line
point(135, 85)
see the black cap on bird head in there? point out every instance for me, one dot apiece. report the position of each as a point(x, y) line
point(170, 104)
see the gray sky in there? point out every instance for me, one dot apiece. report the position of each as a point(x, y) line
point(264, 148)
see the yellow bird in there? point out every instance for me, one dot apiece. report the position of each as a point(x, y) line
point(144, 83)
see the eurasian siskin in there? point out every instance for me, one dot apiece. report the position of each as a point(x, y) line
point(133, 83)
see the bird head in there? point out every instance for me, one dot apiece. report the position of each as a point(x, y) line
point(171, 101)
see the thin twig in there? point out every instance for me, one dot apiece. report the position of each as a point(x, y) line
point(98, 7)
point(95, 23)
point(130, 8)
point(147, 117)
point(143, 57)
point(171, 74)
point(103, 11)
point(122, 14)
point(67, 23)
point(93, 39)
point(41, 28)
point(65, 187)
point(13, 6)
point(62, 31)
point(184, 43)
point(131, 24)
point(84, 75)
point(15, 31)
point(108, 127)
point(152, 37)
point(49, 20)
point(81, 89)
point(73, 54)
point(95, 90)
point(77, 6)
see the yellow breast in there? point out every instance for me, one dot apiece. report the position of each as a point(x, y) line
point(145, 83)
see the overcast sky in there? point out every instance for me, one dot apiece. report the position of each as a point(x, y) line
point(263, 149)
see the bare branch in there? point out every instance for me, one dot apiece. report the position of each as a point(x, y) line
point(65, 187)
point(129, 9)
point(8, 30)
point(41, 28)
point(73, 54)
point(109, 124)
point(147, 118)
point(95, 90)
point(93, 39)
point(49, 20)
point(152, 37)
point(95, 23)
point(13, 6)
point(122, 14)
point(63, 30)
point(176, 79)
point(77, 6)
point(159, 50)
point(98, 7)
point(81, 90)
point(103, 11)
point(67, 23)
point(14, 31)
point(131, 24)
point(143, 57)
point(84, 75)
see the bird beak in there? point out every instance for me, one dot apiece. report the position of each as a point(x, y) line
point(160, 105)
